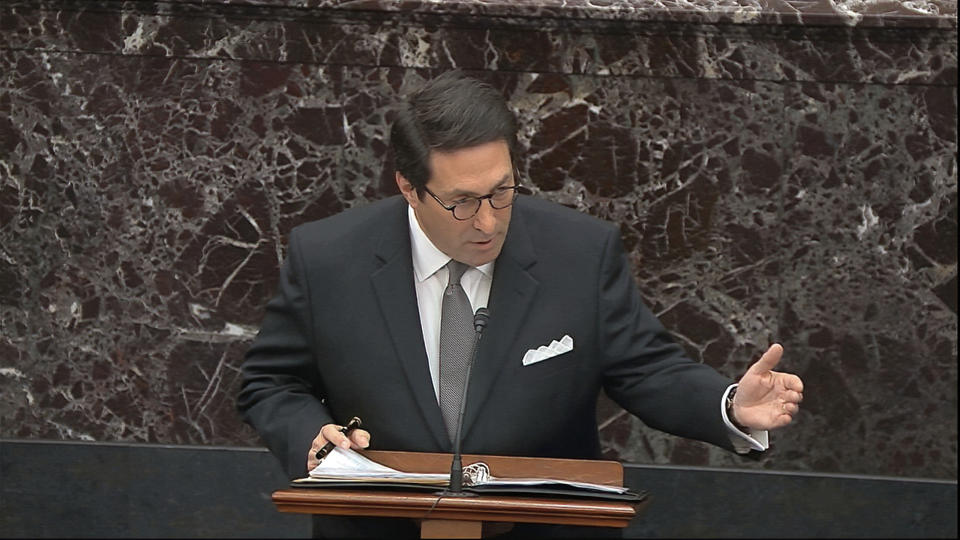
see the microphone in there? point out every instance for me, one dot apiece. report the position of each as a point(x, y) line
point(480, 320)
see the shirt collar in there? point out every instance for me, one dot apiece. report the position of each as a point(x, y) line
point(427, 259)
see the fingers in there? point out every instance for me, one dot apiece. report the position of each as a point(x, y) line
point(792, 382)
point(768, 361)
point(789, 407)
point(360, 438)
point(357, 439)
point(332, 433)
point(791, 399)
point(317, 444)
point(781, 416)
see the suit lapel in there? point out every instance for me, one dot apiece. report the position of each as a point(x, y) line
point(397, 298)
point(511, 297)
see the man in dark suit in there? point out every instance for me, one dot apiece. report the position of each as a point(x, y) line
point(355, 327)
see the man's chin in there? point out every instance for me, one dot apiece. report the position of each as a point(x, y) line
point(481, 254)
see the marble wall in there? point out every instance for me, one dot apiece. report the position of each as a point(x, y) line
point(781, 170)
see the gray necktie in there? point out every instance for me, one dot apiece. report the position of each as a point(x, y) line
point(456, 345)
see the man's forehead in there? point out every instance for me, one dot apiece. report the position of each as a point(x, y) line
point(474, 170)
point(459, 189)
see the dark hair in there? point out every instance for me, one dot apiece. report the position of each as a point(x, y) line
point(448, 113)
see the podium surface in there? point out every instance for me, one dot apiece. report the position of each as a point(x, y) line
point(445, 516)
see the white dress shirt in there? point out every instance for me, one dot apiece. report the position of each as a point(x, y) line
point(430, 274)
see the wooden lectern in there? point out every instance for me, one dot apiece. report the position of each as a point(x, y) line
point(465, 517)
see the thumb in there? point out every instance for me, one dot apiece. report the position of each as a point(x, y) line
point(768, 361)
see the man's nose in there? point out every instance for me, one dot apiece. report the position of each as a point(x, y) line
point(486, 218)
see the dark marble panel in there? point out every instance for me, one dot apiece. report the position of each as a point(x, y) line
point(145, 223)
point(794, 184)
point(869, 288)
point(694, 182)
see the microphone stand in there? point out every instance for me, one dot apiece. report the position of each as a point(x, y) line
point(455, 489)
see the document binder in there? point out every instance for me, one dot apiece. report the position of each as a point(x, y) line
point(348, 469)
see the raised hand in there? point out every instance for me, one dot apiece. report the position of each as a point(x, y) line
point(767, 399)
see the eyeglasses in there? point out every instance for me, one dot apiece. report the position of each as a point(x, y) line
point(468, 207)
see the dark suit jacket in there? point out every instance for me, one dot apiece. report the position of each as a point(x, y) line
point(342, 338)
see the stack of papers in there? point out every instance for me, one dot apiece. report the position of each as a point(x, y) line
point(350, 466)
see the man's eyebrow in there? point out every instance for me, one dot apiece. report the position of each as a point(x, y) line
point(506, 178)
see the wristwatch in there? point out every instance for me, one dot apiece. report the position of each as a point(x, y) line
point(730, 416)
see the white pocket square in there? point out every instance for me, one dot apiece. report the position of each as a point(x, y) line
point(544, 352)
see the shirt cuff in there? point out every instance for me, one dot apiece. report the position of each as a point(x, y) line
point(757, 439)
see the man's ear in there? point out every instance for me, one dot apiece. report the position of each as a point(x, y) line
point(407, 190)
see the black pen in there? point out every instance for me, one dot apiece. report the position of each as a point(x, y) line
point(353, 424)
